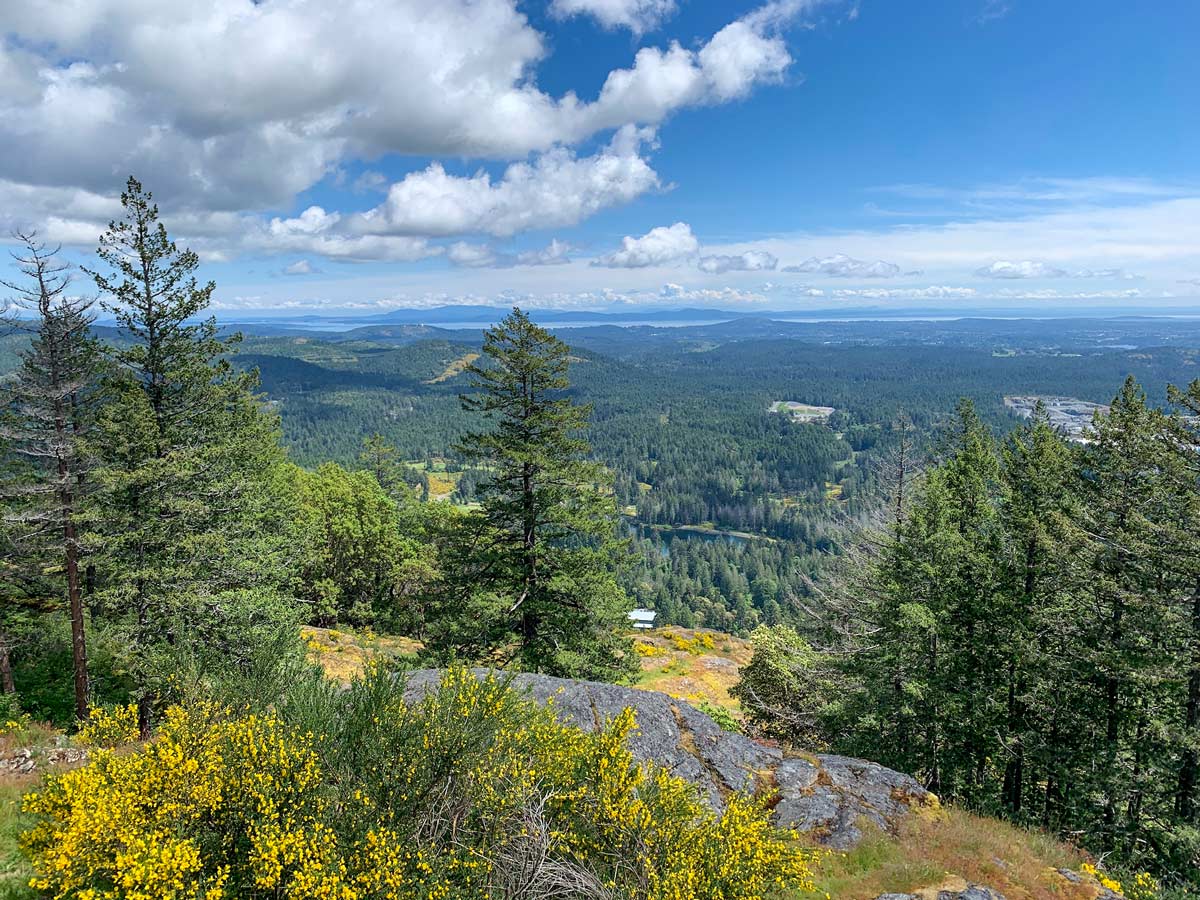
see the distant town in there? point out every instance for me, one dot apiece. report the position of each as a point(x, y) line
point(1071, 416)
point(801, 412)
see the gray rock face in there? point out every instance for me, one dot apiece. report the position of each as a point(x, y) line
point(973, 892)
point(970, 892)
point(827, 796)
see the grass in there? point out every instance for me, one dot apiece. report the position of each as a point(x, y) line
point(343, 653)
point(454, 368)
point(14, 868)
point(682, 665)
point(698, 672)
point(947, 849)
point(441, 484)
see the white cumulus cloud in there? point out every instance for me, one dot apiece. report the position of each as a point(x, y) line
point(750, 261)
point(639, 16)
point(660, 246)
point(241, 105)
point(479, 256)
point(300, 267)
point(553, 254)
point(842, 266)
point(471, 255)
point(1028, 268)
point(317, 231)
point(557, 188)
point(933, 292)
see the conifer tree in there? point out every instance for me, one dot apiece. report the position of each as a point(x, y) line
point(1039, 619)
point(536, 584)
point(1124, 490)
point(383, 461)
point(1184, 442)
point(191, 523)
point(49, 406)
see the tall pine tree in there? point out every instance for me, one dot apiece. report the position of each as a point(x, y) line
point(1184, 443)
point(1125, 493)
point(190, 516)
point(536, 584)
point(49, 406)
point(1039, 620)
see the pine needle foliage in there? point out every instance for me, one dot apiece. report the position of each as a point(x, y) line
point(189, 514)
point(536, 586)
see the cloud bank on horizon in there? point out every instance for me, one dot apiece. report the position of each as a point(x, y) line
point(594, 153)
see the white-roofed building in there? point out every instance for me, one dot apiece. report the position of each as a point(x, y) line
point(642, 618)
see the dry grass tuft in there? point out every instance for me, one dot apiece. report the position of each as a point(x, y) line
point(15, 871)
point(946, 849)
point(693, 664)
point(343, 653)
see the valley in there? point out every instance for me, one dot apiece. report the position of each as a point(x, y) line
point(681, 417)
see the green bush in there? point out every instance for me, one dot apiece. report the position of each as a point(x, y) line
point(42, 665)
point(720, 715)
point(10, 708)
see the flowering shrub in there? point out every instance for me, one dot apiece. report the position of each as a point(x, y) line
point(695, 645)
point(1140, 886)
point(1143, 886)
point(644, 649)
point(110, 726)
point(16, 726)
point(472, 793)
point(213, 807)
point(1104, 880)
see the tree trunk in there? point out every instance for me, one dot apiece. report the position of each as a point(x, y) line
point(1053, 787)
point(78, 637)
point(1112, 732)
point(935, 737)
point(1014, 769)
point(1189, 766)
point(529, 624)
point(66, 431)
point(529, 620)
point(71, 552)
point(7, 685)
point(145, 707)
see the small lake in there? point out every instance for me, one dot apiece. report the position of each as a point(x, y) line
point(667, 536)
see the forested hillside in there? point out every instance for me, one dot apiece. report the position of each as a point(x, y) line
point(1023, 630)
point(680, 418)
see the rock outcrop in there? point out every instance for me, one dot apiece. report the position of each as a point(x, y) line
point(829, 797)
point(25, 761)
point(970, 892)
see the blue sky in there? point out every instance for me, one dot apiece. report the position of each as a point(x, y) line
point(592, 153)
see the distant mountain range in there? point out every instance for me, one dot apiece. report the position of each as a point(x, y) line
point(476, 316)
